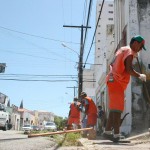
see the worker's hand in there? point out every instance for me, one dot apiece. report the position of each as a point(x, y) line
point(136, 55)
point(142, 77)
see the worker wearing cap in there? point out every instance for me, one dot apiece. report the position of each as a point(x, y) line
point(90, 109)
point(117, 80)
point(74, 114)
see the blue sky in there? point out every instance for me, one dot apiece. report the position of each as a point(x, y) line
point(31, 37)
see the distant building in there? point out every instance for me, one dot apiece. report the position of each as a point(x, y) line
point(26, 117)
point(4, 99)
point(43, 116)
point(15, 117)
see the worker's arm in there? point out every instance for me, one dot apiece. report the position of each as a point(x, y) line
point(129, 67)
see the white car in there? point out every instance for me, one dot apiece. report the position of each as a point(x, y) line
point(50, 126)
point(4, 118)
point(27, 128)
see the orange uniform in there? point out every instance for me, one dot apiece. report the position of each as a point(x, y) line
point(118, 79)
point(91, 111)
point(74, 116)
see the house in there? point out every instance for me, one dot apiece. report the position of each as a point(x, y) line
point(44, 116)
point(26, 117)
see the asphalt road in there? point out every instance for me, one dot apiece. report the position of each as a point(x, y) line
point(14, 140)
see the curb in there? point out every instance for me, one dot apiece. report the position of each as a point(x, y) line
point(140, 136)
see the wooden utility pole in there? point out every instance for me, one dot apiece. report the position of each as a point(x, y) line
point(80, 64)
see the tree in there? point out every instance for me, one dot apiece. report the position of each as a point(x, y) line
point(60, 122)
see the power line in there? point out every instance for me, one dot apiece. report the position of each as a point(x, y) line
point(11, 79)
point(41, 57)
point(87, 23)
point(38, 75)
point(37, 36)
point(94, 32)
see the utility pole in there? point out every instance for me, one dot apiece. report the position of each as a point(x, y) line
point(80, 67)
point(74, 90)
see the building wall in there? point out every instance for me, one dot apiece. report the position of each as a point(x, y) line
point(45, 117)
point(132, 18)
point(140, 111)
point(89, 86)
point(107, 18)
point(28, 118)
point(103, 50)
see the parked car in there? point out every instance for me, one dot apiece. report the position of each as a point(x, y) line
point(35, 128)
point(50, 126)
point(4, 118)
point(27, 128)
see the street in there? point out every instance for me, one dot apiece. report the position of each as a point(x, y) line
point(16, 140)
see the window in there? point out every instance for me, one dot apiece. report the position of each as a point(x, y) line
point(98, 40)
point(110, 18)
point(98, 48)
point(99, 4)
point(111, 12)
point(110, 29)
point(99, 33)
point(99, 25)
point(110, 5)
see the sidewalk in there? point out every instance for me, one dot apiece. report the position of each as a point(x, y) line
point(138, 142)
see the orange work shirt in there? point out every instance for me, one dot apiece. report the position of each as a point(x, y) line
point(92, 107)
point(117, 68)
point(74, 110)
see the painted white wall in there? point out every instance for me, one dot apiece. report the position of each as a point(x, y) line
point(103, 48)
point(101, 37)
point(121, 21)
point(89, 87)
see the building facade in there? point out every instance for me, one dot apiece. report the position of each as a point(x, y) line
point(132, 18)
point(104, 47)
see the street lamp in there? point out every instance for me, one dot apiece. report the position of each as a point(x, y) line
point(64, 45)
point(80, 68)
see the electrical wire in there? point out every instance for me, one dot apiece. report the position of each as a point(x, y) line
point(87, 23)
point(37, 36)
point(94, 33)
point(84, 12)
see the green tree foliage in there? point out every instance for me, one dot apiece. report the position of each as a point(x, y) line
point(60, 122)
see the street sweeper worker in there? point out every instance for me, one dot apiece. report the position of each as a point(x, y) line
point(90, 109)
point(74, 115)
point(117, 80)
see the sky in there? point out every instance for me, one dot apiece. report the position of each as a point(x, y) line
point(31, 37)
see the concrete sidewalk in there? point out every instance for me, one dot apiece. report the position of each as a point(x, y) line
point(138, 142)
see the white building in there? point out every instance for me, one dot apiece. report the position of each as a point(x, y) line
point(132, 18)
point(103, 48)
point(89, 82)
point(44, 116)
